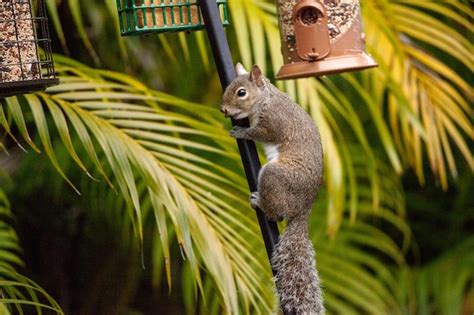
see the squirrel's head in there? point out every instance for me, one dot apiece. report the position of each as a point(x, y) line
point(243, 94)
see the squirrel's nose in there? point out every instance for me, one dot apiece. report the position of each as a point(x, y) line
point(224, 111)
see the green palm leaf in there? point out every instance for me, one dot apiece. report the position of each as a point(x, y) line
point(419, 105)
point(174, 159)
point(443, 286)
point(140, 142)
point(437, 96)
point(17, 292)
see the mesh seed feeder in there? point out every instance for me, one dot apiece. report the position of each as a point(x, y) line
point(320, 37)
point(26, 63)
point(142, 17)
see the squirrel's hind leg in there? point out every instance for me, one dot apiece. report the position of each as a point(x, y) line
point(272, 192)
point(255, 203)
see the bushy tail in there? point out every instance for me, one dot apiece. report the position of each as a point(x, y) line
point(296, 278)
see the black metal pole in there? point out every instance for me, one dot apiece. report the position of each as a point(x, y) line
point(248, 151)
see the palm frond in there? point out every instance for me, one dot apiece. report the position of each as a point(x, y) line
point(174, 159)
point(418, 104)
point(427, 101)
point(17, 292)
point(444, 286)
point(142, 141)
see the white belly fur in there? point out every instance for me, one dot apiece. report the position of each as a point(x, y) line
point(271, 152)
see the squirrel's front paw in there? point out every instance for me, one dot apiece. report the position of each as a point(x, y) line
point(238, 132)
point(255, 200)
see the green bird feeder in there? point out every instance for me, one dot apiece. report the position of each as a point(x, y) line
point(142, 17)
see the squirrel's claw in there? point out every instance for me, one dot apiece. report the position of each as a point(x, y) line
point(255, 199)
point(279, 219)
point(238, 132)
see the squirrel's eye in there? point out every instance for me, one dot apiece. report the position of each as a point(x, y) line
point(241, 92)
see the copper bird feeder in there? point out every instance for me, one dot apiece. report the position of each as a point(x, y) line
point(320, 37)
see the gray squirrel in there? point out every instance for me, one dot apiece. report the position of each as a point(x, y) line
point(287, 183)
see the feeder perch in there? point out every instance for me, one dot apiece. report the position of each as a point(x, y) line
point(320, 37)
point(26, 63)
point(142, 17)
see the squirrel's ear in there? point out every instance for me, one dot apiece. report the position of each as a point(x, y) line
point(256, 76)
point(240, 69)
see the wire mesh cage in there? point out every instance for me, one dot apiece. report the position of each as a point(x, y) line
point(26, 62)
point(141, 17)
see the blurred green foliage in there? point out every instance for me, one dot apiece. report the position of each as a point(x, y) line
point(163, 223)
